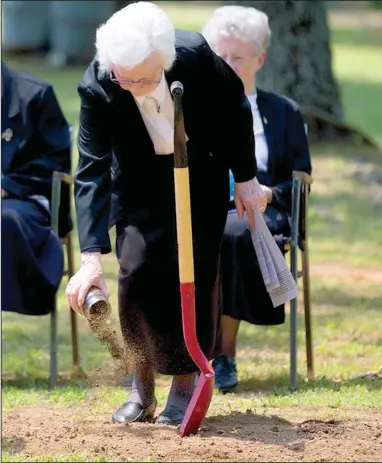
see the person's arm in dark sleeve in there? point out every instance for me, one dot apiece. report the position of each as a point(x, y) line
point(230, 114)
point(297, 146)
point(93, 179)
point(51, 150)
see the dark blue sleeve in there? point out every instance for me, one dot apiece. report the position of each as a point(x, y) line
point(298, 149)
point(50, 150)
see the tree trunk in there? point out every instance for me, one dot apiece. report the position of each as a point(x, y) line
point(119, 4)
point(299, 60)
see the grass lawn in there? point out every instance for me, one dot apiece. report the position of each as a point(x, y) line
point(346, 268)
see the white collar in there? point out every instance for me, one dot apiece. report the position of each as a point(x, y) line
point(252, 96)
point(253, 100)
point(159, 93)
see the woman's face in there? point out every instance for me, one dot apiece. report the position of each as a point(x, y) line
point(141, 79)
point(241, 57)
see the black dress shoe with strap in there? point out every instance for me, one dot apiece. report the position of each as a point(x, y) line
point(171, 415)
point(133, 412)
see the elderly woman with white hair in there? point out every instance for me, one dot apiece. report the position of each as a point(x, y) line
point(241, 35)
point(125, 177)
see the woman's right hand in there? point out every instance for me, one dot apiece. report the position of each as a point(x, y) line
point(89, 274)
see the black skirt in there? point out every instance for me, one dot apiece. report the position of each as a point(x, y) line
point(244, 294)
point(149, 289)
point(31, 258)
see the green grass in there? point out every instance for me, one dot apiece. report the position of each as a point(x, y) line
point(74, 456)
point(361, 81)
point(346, 250)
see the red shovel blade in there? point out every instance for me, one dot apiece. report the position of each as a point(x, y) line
point(198, 406)
point(204, 389)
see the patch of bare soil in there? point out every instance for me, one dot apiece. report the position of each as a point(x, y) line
point(236, 437)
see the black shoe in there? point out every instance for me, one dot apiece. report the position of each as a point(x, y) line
point(225, 373)
point(171, 415)
point(133, 412)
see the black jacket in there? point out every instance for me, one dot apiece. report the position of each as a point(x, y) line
point(113, 174)
point(287, 142)
point(39, 141)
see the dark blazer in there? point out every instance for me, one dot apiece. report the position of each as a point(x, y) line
point(113, 137)
point(35, 140)
point(287, 142)
point(244, 294)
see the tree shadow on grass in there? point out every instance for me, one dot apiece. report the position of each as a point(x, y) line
point(257, 339)
point(280, 384)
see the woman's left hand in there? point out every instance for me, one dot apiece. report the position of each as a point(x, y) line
point(248, 195)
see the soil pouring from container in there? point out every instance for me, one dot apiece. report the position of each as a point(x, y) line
point(97, 309)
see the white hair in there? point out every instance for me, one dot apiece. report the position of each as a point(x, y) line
point(134, 33)
point(245, 23)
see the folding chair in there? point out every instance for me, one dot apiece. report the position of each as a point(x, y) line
point(299, 240)
point(58, 179)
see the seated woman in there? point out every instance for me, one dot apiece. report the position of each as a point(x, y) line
point(240, 36)
point(35, 141)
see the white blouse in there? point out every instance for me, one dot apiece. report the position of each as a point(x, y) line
point(260, 140)
point(157, 110)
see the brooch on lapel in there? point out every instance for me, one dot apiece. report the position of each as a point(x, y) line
point(7, 135)
point(265, 120)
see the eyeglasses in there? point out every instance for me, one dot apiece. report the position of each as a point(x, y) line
point(141, 82)
point(238, 60)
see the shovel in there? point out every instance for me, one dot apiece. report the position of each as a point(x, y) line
point(202, 396)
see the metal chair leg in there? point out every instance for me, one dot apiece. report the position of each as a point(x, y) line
point(307, 311)
point(73, 315)
point(53, 347)
point(293, 326)
point(57, 180)
point(293, 304)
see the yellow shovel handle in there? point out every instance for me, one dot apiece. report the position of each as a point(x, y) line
point(183, 223)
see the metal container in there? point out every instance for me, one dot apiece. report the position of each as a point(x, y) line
point(25, 25)
point(96, 304)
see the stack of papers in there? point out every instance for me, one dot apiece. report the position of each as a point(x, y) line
point(278, 279)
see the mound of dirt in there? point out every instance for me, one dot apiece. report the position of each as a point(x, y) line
point(235, 437)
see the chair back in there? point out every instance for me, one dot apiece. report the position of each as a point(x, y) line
point(61, 209)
